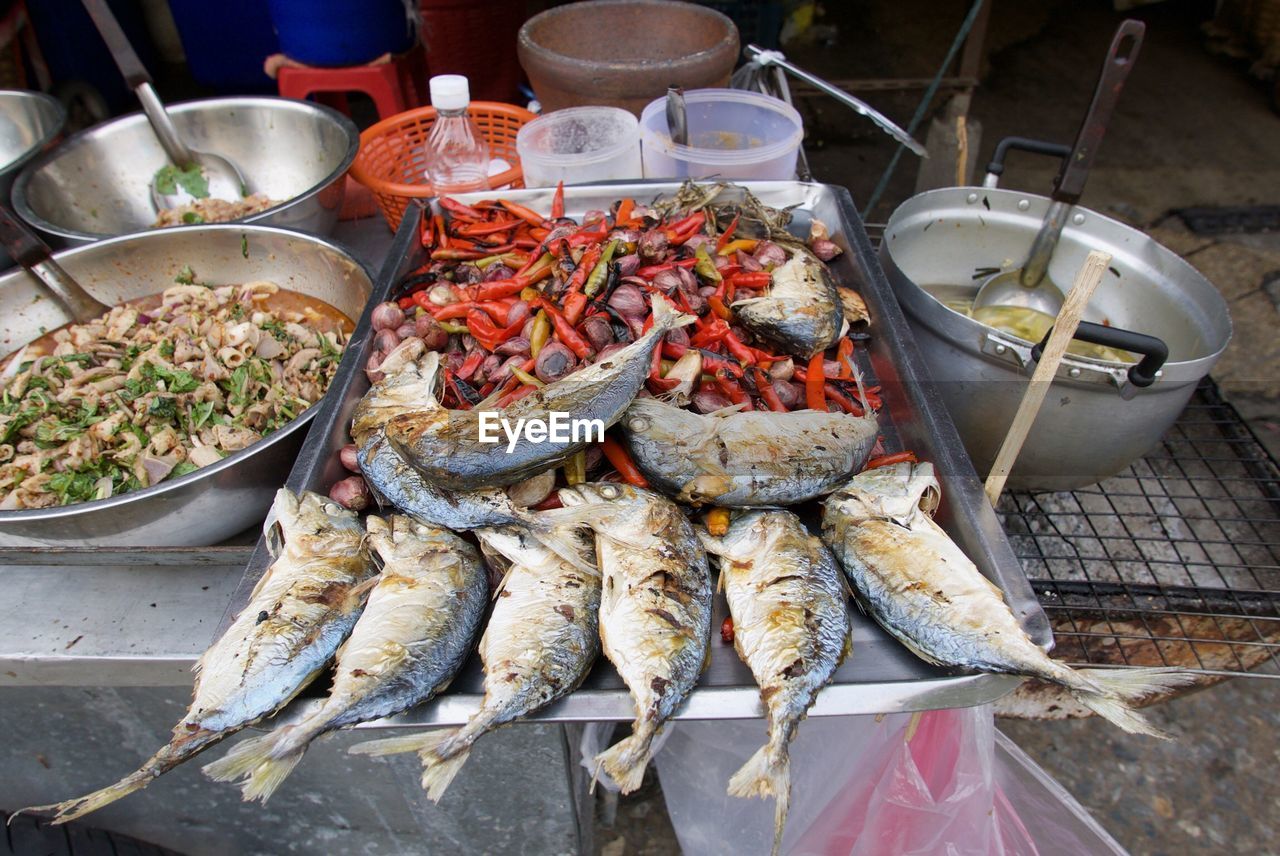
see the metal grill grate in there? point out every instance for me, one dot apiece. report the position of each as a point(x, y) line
point(1174, 562)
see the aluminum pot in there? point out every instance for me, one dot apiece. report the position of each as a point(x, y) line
point(220, 500)
point(96, 184)
point(29, 121)
point(1096, 420)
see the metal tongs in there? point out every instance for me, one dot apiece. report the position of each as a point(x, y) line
point(763, 58)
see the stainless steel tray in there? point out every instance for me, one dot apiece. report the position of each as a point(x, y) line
point(880, 676)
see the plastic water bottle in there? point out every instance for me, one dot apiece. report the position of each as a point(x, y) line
point(457, 155)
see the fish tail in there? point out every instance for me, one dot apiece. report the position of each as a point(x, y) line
point(767, 773)
point(442, 754)
point(666, 316)
point(263, 762)
point(170, 755)
point(626, 760)
point(1110, 693)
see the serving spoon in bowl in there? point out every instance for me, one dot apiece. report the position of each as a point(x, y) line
point(1029, 286)
point(191, 175)
point(35, 256)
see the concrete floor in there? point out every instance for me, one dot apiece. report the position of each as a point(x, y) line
point(1191, 129)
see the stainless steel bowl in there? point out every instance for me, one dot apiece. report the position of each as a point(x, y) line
point(97, 183)
point(218, 501)
point(29, 121)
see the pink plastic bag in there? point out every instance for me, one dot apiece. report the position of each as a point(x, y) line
point(872, 786)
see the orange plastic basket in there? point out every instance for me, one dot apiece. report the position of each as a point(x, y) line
point(391, 164)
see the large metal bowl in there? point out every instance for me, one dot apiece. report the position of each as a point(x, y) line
point(220, 500)
point(29, 121)
point(97, 183)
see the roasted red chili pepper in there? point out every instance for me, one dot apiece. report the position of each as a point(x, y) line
point(767, 392)
point(814, 393)
point(847, 404)
point(889, 460)
point(617, 455)
point(726, 630)
point(458, 209)
point(531, 217)
point(727, 235)
point(569, 337)
point(737, 350)
point(449, 254)
point(557, 202)
point(844, 356)
point(732, 390)
point(753, 279)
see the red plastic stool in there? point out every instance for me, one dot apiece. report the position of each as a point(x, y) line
point(392, 82)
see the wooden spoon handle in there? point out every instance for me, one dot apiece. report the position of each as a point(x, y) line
point(1064, 328)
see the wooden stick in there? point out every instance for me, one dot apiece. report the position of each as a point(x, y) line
point(1063, 329)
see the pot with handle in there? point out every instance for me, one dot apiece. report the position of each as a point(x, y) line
point(1100, 415)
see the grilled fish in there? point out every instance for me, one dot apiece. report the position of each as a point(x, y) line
point(913, 579)
point(746, 458)
point(445, 445)
point(655, 608)
point(303, 607)
point(408, 385)
point(801, 311)
point(539, 644)
point(790, 626)
point(413, 636)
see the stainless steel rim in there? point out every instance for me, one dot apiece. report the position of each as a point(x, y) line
point(20, 185)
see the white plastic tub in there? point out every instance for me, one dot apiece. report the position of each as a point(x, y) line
point(732, 134)
point(580, 145)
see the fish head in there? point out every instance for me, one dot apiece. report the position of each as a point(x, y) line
point(896, 492)
point(402, 537)
point(312, 524)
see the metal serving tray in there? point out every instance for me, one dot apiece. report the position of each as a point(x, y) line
point(880, 676)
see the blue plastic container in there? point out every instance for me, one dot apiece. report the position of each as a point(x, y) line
point(226, 42)
point(340, 32)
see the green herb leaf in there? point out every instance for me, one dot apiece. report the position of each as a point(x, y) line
point(186, 276)
point(191, 217)
point(169, 178)
point(182, 469)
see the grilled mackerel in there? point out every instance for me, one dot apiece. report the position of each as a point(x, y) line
point(790, 626)
point(303, 607)
point(655, 608)
point(801, 311)
point(445, 446)
point(539, 644)
point(748, 458)
point(414, 634)
point(913, 579)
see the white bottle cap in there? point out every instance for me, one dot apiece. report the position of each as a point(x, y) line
point(450, 92)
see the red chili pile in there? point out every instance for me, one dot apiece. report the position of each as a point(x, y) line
point(515, 299)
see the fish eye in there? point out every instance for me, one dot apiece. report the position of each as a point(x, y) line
point(639, 424)
point(610, 492)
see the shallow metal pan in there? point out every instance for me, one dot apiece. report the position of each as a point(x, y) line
point(880, 676)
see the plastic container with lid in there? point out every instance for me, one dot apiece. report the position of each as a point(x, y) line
point(732, 134)
point(580, 145)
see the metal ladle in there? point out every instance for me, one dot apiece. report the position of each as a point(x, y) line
point(1028, 286)
point(35, 256)
point(224, 180)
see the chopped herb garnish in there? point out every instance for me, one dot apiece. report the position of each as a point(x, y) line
point(169, 178)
